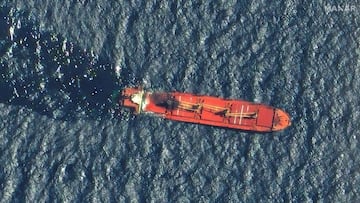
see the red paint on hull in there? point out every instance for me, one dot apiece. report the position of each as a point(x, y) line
point(207, 110)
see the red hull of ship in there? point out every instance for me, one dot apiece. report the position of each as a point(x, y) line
point(207, 110)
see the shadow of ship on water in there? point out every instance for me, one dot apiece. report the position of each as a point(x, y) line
point(44, 72)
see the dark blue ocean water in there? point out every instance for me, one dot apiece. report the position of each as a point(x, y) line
point(63, 139)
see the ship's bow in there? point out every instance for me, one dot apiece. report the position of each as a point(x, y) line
point(281, 120)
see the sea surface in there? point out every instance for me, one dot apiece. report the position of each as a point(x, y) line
point(64, 139)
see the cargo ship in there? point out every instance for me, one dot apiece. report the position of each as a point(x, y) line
point(207, 110)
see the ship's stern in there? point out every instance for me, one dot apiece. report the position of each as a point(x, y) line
point(132, 98)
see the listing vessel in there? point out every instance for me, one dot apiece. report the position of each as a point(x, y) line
point(207, 110)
